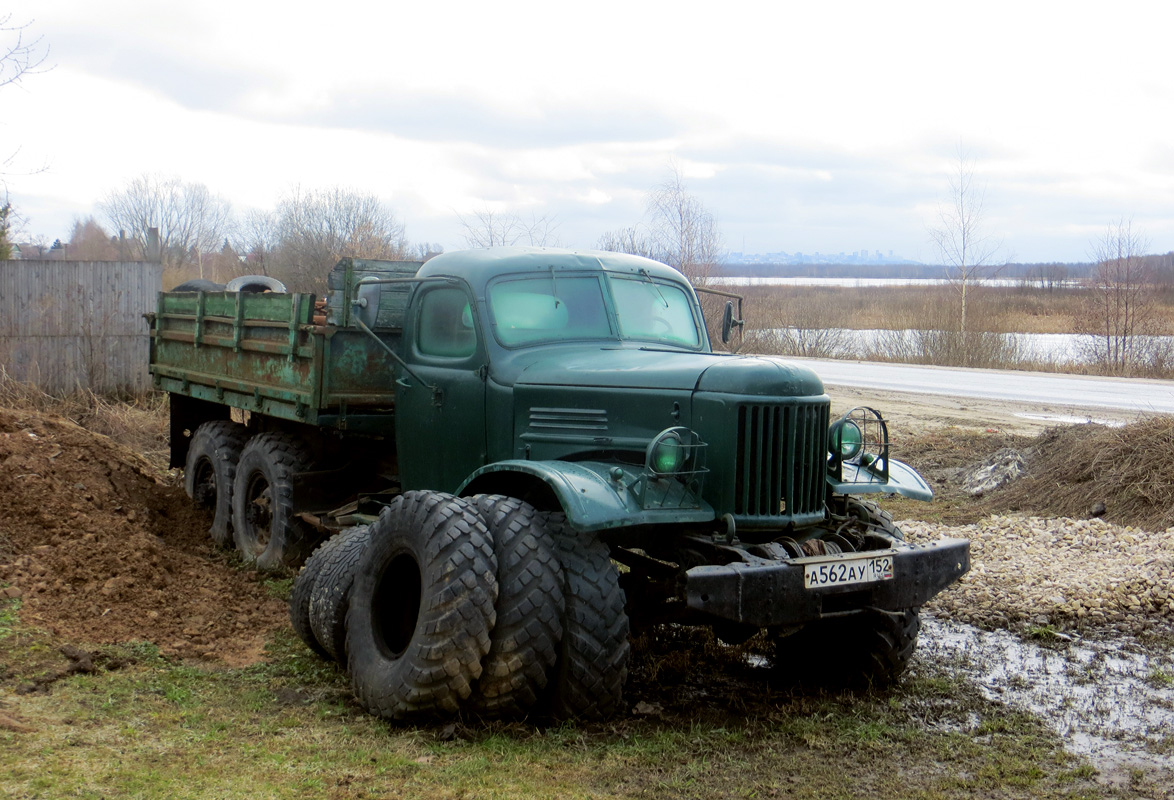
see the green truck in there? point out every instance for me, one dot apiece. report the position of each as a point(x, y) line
point(498, 461)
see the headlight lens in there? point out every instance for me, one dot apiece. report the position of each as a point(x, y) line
point(846, 440)
point(667, 454)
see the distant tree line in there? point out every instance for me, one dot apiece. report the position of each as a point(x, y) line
point(199, 235)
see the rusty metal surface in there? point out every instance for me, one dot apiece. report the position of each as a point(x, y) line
point(263, 353)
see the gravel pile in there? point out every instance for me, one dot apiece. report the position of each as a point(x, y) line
point(1066, 573)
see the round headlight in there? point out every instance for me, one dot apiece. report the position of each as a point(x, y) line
point(846, 440)
point(668, 454)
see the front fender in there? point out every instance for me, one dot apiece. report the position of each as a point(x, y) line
point(862, 479)
point(590, 496)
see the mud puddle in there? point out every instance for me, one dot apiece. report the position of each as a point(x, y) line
point(1111, 701)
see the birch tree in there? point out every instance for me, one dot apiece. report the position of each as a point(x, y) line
point(965, 248)
point(1120, 306)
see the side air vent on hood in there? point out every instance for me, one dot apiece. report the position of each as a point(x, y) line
point(581, 421)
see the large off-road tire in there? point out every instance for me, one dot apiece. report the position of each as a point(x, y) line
point(525, 640)
point(872, 648)
point(421, 607)
point(208, 475)
point(588, 680)
point(871, 514)
point(263, 523)
point(331, 593)
point(303, 588)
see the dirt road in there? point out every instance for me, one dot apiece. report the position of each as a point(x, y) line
point(909, 412)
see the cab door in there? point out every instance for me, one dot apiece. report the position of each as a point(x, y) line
point(440, 409)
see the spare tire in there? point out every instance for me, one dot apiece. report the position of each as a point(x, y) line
point(421, 607)
point(254, 283)
point(303, 588)
point(198, 285)
point(331, 593)
point(525, 639)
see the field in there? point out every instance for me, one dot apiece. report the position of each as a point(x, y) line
point(816, 314)
point(137, 660)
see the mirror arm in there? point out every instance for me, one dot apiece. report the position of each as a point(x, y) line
point(363, 327)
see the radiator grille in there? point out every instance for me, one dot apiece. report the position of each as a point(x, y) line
point(781, 460)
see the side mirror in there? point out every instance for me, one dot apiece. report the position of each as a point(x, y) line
point(365, 306)
point(729, 322)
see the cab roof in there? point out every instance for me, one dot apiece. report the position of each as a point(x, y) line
point(479, 266)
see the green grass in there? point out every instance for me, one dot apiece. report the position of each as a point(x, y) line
point(289, 728)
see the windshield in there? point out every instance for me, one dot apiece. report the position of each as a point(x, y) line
point(657, 312)
point(548, 309)
point(552, 308)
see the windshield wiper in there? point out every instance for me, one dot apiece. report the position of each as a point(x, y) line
point(554, 285)
point(648, 278)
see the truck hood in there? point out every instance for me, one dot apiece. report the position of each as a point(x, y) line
point(625, 368)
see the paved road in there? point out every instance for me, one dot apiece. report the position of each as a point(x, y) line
point(1154, 396)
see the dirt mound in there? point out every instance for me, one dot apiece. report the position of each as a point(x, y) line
point(99, 551)
point(1093, 470)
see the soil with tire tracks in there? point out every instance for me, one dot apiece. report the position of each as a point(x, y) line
point(101, 549)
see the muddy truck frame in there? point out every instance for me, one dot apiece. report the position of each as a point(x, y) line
point(498, 461)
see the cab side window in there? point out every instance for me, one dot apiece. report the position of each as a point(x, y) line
point(445, 326)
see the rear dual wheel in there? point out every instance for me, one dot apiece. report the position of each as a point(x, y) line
point(210, 470)
point(264, 527)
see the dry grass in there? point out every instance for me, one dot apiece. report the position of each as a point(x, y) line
point(139, 423)
point(1072, 468)
point(918, 325)
point(990, 309)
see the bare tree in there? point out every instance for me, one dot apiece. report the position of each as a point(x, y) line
point(314, 229)
point(6, 218)
point(489, 228)
point(963, 245)
point(683, 230)
point(680, 231)
point(677, 229)
point(89, 241)
point(256, 237)
point(19, 54)
point(634, 240)
point(191, 220)
point(1120, 308)
point(422, 251)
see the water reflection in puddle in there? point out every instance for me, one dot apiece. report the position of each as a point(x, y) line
point(1111, 701)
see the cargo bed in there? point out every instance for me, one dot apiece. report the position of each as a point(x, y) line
point(265, 353)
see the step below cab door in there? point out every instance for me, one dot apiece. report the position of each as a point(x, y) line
point(440, 410)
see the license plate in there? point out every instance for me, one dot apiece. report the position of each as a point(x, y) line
point(848, 571)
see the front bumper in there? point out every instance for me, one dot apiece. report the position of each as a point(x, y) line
point(770, 594)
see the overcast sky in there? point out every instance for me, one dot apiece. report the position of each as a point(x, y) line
point(810, 126)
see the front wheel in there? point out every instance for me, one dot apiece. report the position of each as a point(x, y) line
point(588, 680)
point(871, 648)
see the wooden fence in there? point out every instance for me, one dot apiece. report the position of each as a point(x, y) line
point(66, 325)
